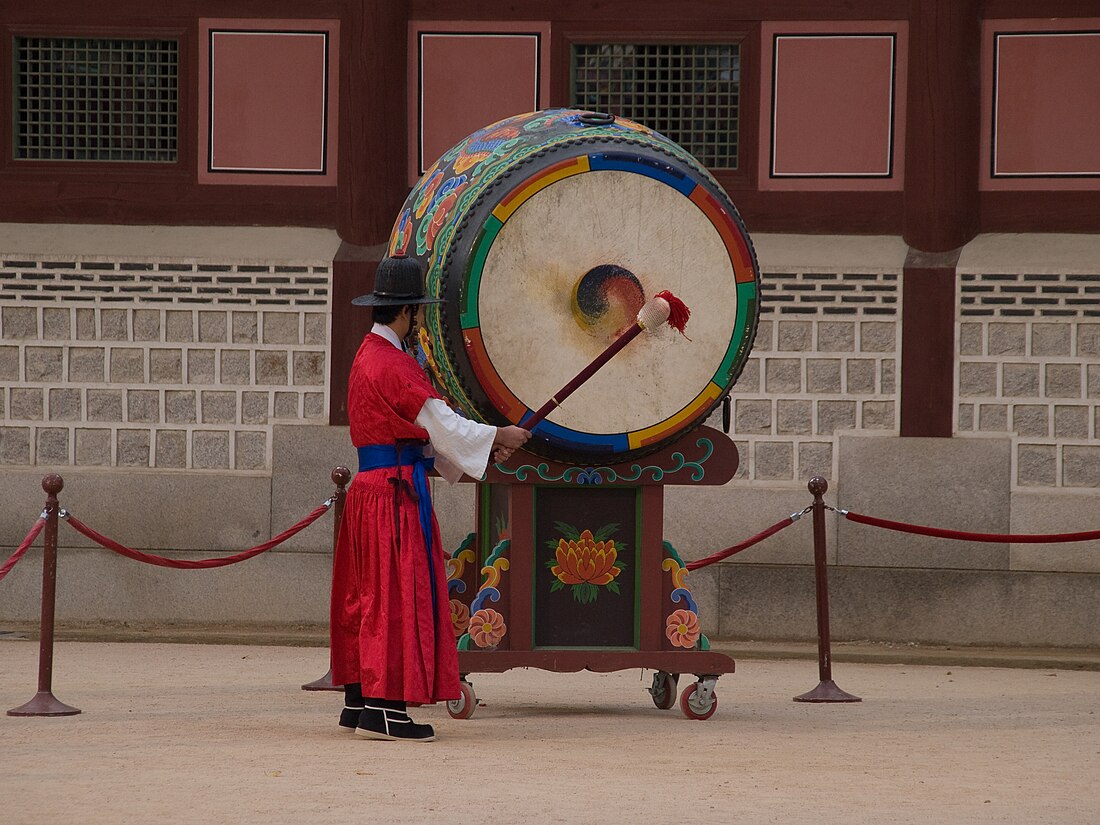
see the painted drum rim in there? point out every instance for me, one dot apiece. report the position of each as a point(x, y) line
point(515, 411)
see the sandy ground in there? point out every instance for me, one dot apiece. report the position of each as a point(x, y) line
point(178, 733)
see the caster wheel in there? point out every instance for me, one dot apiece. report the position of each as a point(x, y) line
point(663, 689)
point(696, 706)
point(463, 708)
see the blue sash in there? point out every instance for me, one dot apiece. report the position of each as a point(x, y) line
point(377, 456)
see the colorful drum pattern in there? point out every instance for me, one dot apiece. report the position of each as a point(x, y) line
point(544, 234)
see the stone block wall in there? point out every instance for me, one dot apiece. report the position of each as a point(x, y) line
point(825, 361)
point(1025, 457)
point(139, 354)
point(158, 360)
point(1029, 367)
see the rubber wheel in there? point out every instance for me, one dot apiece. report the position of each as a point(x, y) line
point(692, 708)
point(463, 708)
point(665, 695)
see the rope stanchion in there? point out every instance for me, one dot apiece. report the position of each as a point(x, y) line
point(44, 702)
point(22, 549)
point(747, 543)
point(340, 476)
point(963, 535)
point(201, 564)
point(826, 690)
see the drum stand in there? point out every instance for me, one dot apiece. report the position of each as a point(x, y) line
point(568, 570)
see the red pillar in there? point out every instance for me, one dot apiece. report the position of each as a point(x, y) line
point(373, 122)
point(373, 168)
point(943, 124)
point(943, 130)
point(928, 344)
point(352, 275)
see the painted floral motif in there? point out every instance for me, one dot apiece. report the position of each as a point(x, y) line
point(493, 570)
point(437, 205)
point(460, 617)
point(550, 118)
point(682, 625)
point(586, 561)
point(402, 233)
point(425, 356)
point(589, 475)
point(482, 145)
point(456, 564)
point(487, 628)
point(598, 475)
point(427, 191)
point(632, 126)
point(439, 214)
point(682, 628)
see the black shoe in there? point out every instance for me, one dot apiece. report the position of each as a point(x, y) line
point(353, 705)
point(391, 725)
point(349, 716)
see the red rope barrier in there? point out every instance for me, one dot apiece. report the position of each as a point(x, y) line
point(22, 549)
point(747, 543)
point(962, 535)
point(201, 564)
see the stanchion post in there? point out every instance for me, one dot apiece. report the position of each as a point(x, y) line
point(44, 703)
point(341, 476)
point(826, 690)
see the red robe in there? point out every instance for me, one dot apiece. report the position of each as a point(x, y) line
point(381, 622)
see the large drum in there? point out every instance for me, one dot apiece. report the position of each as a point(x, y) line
point(545, 234)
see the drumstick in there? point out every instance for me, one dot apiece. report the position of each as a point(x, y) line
point(664, 308)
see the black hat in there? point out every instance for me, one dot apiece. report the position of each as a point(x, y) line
point(399, 280)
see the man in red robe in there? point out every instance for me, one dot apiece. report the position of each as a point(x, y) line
point(392, 641)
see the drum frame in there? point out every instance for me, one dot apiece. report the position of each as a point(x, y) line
point(496, 574)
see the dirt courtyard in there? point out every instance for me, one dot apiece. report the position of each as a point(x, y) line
point(184, 733)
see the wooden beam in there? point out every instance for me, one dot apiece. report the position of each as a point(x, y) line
point(373, 146)
point(943, 121)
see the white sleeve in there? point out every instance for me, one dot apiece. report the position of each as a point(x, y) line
point(460, 445)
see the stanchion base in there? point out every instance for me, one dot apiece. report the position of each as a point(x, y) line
point(827, 691)
point(44, 704)
point(324, 683)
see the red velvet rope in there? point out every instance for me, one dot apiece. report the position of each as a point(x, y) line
point(22, 549)
point(201, 564)
point(737, 548)
point(962, 535)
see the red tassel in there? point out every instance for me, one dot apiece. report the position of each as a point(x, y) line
point(678, 312)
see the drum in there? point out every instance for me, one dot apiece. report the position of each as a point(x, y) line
point(545, 234)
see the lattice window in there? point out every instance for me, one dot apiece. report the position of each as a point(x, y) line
point(80, 99)
point(687, 92)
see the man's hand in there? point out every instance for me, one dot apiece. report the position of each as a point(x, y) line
point(507, 441)
point(511, 437)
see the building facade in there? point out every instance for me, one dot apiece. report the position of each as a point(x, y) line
point(190, 197)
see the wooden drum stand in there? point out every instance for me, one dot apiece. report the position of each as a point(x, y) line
point(568, 570)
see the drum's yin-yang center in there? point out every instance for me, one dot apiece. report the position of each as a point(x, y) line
point(606, 300)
